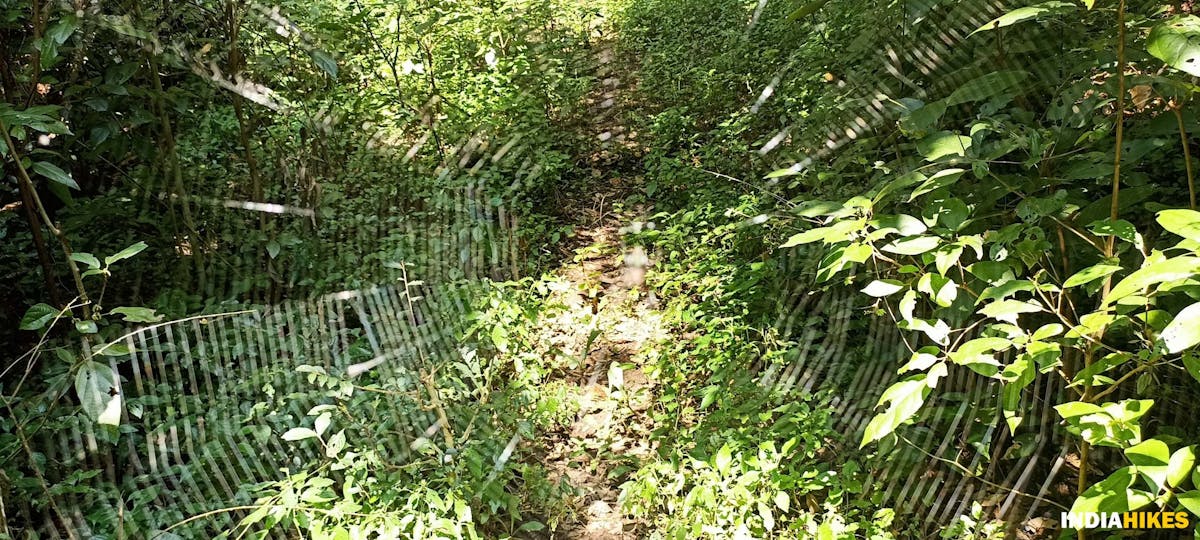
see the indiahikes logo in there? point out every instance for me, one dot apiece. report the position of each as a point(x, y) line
point(1125, 520)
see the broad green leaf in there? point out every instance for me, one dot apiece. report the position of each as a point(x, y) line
point(806, 237)
point(325, 62)
point(1184, 330)
point(62, 29)
point(137, 314)
point(979, 354)
point(115, 349)
point(723, 459)
point(767, 516)
point(273, 249)
point(940, 289)
point(808, 8)
point(841, 257)
point(1120, 228)
point(939, 180)
point(322, 423)
point(37, 316)
point(913, 245)
point(903, 400)
point(1009, 310)
point(1150, 457)
point(1152, 274)
point(782, 501)
point(98, 389)
point(1016, 377)
point(918, 121)
point(531, 526)
point(1191, 501)
point(1185, 223)
point(1047, 331)
point(1180, 466)
point(921, 360)
point(1113, 494)
point(938, 330)
point(1005, 290)
point(125, 253)
point(51, 171)
point(86, 258)
point(1024, 14)
point(1191, 363)
point(1090, 274)
point(986, 87)
point(1177, 43)
point(817, 208)
point(904, 224)
point(1073, 409)
point(942, 144)
point(299, 434)
point(881, 288)
point(87, 326)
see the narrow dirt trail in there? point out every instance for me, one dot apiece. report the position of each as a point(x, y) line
point(608, 324)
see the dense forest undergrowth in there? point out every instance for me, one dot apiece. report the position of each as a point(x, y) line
point(628, 269)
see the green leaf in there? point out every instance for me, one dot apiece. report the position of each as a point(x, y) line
point(137, 314)
point(1184, 330)
point(881, 288)
point(913, 245)
point(1191, 501)
point(1191, 362)
point(767, 516)
point(62, 30)
point(986, 87)
point(86, 258)
point(37, 316)
point(1110, 495)
point(1024, 14)
point(1016, 377)
point(782, 501)
point(98, 389)
point(1185, 223)
point(1090, 274)
point(723, 459)
point(902, 223)
point(322, 423)
point(325, 62)
point(125, 253)
point(904, 399)
point(273, 249)
point(807, 237)
point(1150, 457)
point(1009, 310)
point(51, 171)
point(942, 144)
point(115, 349)
point(1180, 466)
point(807, 9)
point(1151, 274)
point(299, 434)
point(1120, 228)
point(939, 180)
point(1177, 43)
point(87, 326)
point(531, 526)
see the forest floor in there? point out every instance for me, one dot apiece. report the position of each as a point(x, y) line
point(608, 324)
